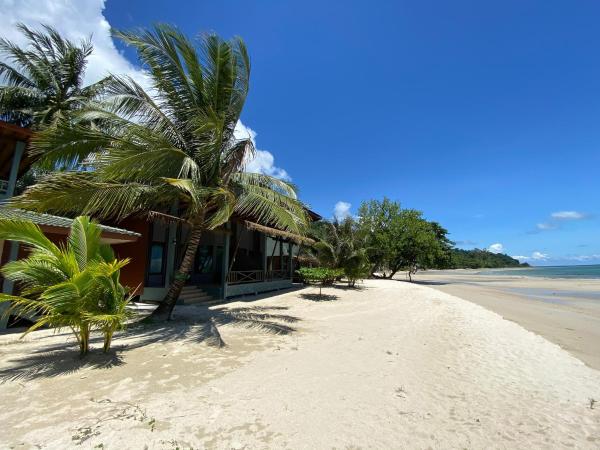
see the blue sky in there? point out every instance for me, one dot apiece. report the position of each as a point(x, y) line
point(484, 115)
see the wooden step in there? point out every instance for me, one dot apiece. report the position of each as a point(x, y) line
point(191, 295)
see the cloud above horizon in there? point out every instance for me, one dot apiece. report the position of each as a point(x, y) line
point(341, 210)
point(496, 248)
point(557, 218)
point(535, 256)
point(263, 161)
point(75, 20)
point(568, 215)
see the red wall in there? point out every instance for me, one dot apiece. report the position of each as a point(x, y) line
point(133, 274)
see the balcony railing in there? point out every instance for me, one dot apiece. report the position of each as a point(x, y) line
point(257, 276)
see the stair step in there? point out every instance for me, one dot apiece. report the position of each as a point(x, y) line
point(197, 301)
point(197, 298)
point(191, 289)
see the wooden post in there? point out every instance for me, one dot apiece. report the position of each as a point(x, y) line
point(225, 265)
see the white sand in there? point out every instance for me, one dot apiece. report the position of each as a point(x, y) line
point(392, 366)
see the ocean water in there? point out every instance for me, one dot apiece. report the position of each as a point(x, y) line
point(584, 271)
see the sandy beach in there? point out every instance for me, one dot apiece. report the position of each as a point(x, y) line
point(392, 365)
point(564, 311)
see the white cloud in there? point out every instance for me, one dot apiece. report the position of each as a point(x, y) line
point(263, 161)
point(496, 248)
point(341, 210)
point(546, 226)
point(583, 258)
point(75, 20)
point(535, 256)
point(568, 215)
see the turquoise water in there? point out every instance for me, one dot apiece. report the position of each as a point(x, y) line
point(587, 271)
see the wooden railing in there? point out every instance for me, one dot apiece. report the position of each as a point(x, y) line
point(257, 276)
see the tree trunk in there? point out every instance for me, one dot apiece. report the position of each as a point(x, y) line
point(107, 340)
point(84, 339)
point(165, 309)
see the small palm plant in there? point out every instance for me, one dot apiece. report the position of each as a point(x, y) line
point(75, 285)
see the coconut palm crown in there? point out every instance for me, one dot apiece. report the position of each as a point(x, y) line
point(43, 82)
point(168, 148)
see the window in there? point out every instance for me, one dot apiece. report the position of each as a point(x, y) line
point(156, 258)
point(204, 259)
point(157, 255)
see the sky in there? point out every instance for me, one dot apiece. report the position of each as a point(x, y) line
point(483, 115)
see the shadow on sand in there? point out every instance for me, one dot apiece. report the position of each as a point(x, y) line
point(316, 297)
point(428, 283)
point(191, 324)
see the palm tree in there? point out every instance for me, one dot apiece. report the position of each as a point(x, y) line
point(72, 286)
point(44, 81)
point(339, 246)
point(170, 148)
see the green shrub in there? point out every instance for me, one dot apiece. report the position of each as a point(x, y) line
point(322, 275)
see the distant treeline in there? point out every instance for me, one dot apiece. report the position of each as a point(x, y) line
point(478, 259)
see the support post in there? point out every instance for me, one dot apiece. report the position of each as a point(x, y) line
point(7, 286)
point(14, 168)
point(291, 260)
point(225, 265)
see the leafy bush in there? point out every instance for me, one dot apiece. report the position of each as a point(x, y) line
point(72, 286)
point(322, 275)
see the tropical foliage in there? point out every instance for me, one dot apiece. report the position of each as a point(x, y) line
point(398, 239)
point(339, 246)
point(323, 275)
point(75, 285)
point(476, 259)
point(171, 149)
point(43, 82)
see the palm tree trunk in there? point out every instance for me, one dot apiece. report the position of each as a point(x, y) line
point(165, 309)
point(107, 340)
point(84, 339)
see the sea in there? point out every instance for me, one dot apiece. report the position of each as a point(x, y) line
point(580, 271)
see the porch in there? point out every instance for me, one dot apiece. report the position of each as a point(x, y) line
point(238, 259)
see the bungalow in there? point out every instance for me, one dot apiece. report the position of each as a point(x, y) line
point(241, 257)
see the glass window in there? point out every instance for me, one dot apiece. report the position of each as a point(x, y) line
point(156, 258)
point(204, 259)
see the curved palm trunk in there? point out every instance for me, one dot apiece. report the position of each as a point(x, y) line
point(165, 309)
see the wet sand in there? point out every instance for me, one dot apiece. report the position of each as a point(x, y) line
point(564, 311)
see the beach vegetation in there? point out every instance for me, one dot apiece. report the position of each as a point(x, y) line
point(73, 285)
point(339, 246)
point(398, 239)
point(323, 276)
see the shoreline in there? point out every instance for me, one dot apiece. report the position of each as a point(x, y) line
point(566, 311)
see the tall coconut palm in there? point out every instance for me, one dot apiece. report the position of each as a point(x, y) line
point(73, 286)
point(172, 147)
point(43, 82)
